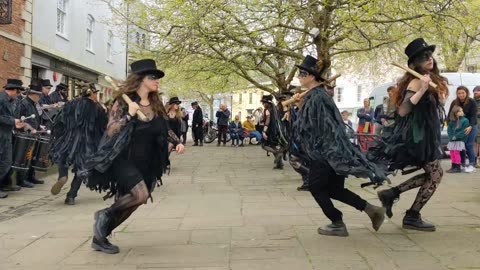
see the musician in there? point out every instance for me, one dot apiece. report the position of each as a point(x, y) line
point(321, 137)
point(274, 132)
point(26, 108)
point(7, 123)
point(132, 154)
point(45, 97)
point(46, 107)
point(415, 140)
point(77, 130)
point(60, 94)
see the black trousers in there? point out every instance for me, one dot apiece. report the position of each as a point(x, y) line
point(325, 185)
point(74, 187)
point(197, 134)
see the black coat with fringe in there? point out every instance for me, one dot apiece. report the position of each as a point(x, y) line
point(76, 132)
point(320, 134)
point(415, 140)
point(97, 173)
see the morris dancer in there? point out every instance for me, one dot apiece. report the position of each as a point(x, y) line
point(416, 138)
point(274, 133)
point(320, 134)
point(77, 130)
point(132, 154)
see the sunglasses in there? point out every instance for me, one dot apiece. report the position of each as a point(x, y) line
point(152, 77)
point(426, 55)
point(303, 74)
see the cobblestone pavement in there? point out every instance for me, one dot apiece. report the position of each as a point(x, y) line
point(225, 208)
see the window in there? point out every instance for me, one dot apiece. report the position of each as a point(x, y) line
point(339, 94)
point(62, 17)
point(90, 25)
point(240, 98)
point(109, 45)
point(359, 93)
point(250, 98)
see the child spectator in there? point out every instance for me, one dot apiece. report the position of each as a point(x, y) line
point(456, 127)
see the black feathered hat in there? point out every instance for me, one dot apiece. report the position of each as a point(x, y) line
point(315, 67)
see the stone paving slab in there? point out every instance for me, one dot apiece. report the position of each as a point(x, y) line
point(232, 211)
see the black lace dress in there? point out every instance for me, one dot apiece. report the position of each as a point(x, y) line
point(130, 152)
point(415, 141)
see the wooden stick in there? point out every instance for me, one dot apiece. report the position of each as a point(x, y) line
point(292, 100)
point(126, 98)
point(414, 73)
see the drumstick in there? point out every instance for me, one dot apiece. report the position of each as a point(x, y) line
point(414, 73)
point(23, 118)
point(292, 100)
point(126, 98)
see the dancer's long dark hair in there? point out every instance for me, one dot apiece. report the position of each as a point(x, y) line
point(130, 87)
point(416, 65)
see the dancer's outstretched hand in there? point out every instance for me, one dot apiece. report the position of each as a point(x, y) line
point(180, 148)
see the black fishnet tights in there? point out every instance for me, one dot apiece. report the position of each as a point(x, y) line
point(428, 183)
point(125, 205)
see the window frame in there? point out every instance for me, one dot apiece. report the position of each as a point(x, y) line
point(109, 45)
point(90, 30)
point(339, 93)
point(63, 12)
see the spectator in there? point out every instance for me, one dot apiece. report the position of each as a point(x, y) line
point(236, 131)
point(389, 111)
point(197, 124)
point(476, 96)
point(249, 126)
point(469, 107)
point(258, 115)
point(456, 136)
point(184, 127)
point(223, 117)
point(345, 115)
point(378, 114)
point(365, 118)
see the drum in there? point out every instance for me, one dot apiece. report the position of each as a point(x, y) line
point(23, 148)
point(40, 161)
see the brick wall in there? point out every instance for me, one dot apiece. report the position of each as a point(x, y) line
point(13, 39)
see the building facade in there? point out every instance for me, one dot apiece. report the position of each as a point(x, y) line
point(15, 40)
point(72, 42)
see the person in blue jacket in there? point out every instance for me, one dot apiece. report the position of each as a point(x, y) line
point(456, 135)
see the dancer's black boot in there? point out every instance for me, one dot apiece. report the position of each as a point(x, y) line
point(388, 197)
point(413, 221)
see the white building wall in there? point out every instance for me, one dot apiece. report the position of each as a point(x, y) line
point(72, 45)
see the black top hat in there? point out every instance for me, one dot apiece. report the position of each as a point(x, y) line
point(87, 88)
point(35, 89)
point(174, 100)
point(62, 86)
point(146, 67)
point(46, 83)
point(13, 84)
point(267, 99)
point(417, 46)
point(314, 67)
